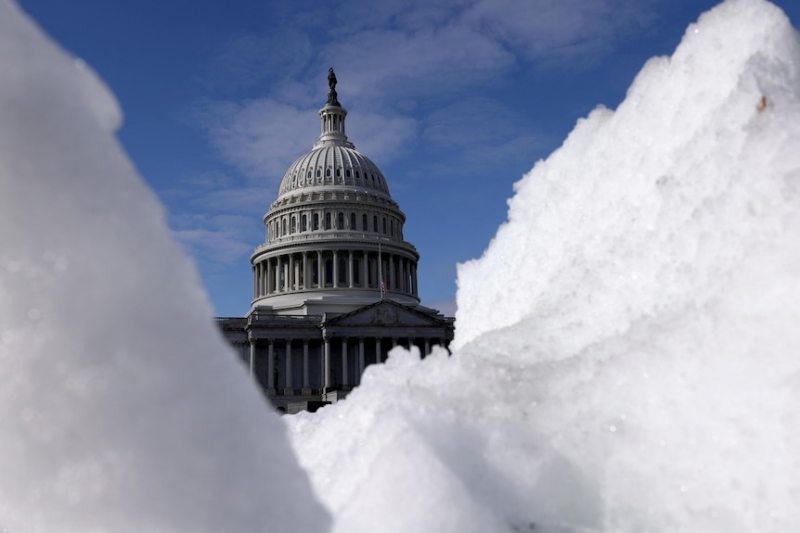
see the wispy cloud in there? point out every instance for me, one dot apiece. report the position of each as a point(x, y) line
point(397, 59)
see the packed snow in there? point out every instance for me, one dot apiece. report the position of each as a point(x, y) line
point(121, 408)
point(627, 354)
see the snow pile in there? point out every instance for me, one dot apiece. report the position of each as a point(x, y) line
point(627, 347)
point(121, 409)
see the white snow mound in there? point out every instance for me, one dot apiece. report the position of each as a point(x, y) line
point(628, 347)
point(121, 408)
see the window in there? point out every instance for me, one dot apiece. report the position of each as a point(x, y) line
point(391, 227)
point(338, 172)
point(375, 223)
point(353, 221)
point(348, 172)
point(327, 221)
point(318, 173)
point(384, 225)
point(364, 224)
point(342, 271)
point(303, 223)
point(316, 221)
point(284, 226)
point(340, 221)
point(357, 271)
point(327, 172)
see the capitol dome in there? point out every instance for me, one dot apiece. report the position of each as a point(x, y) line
point(334, 236)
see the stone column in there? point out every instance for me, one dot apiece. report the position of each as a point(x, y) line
point(364, 258)
point(378, 356)
point(255, 283)
point(278, 274)
point(306, 385)
point(361, 361)
point(414, 279)
point(391, 283)
point(335, 269)
point(345, 379)
point(268, 278)
point(252, 357)
point(326, 367)
point(271, 368)
point(320, 271)
point(290, 274)
point(289, 390)
point(350, 269)
point(305, 270)
point(427, 346)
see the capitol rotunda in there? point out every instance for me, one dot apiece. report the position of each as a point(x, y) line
point(335, 283)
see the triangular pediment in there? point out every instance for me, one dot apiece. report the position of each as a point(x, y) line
point(386, 313)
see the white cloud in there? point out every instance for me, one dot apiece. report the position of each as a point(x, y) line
point(259, 137)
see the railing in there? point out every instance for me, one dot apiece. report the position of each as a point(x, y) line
point(321, 236)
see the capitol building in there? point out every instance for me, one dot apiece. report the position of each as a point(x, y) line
point(334, 283)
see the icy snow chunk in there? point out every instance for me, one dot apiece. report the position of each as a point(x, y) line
point(121, 408)
point(627, 347)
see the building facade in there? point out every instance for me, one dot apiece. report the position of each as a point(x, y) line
point(334, 283)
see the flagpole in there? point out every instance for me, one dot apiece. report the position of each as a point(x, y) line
point(380, 270)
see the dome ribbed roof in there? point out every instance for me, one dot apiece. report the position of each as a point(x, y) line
point(333, 160)
point(332, 165)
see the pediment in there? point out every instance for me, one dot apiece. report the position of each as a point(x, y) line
point(385, 313)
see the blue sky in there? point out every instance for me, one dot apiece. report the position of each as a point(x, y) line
point(454, 100)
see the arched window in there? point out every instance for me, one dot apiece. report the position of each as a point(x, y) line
point(353, 221)
point(294, 224)
point(384, 225)
point(328, 172)
point(284, 226)
point(318, 172)
point(375, 223)
point(348, 172)
point(316, 221)
point(303, 222)
point(364, 225)
point(338, 172)
point(327, 221)
point(391, 227)
point(340, 221)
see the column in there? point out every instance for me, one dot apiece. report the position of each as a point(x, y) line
point(255, 283)
point(378, 356)
point(305, 270)
point(335, 269)
point(390, 283)
point(306, 385)
point(320, 271)
point(252, 357)
point(268, 278)
point(401, 265)
point(414, 279)
point(350, 269)
point(410, 343)
point(427, 346)
point(277, 274)
point(289, 385)
point(360, 358)
point(326, 366)
point(394, 342)
point(345, 380)
point(271, 367)
point(364, 269)
point(290, 274)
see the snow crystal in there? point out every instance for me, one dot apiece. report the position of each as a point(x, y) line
point(121, 408)
point(627, 347)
